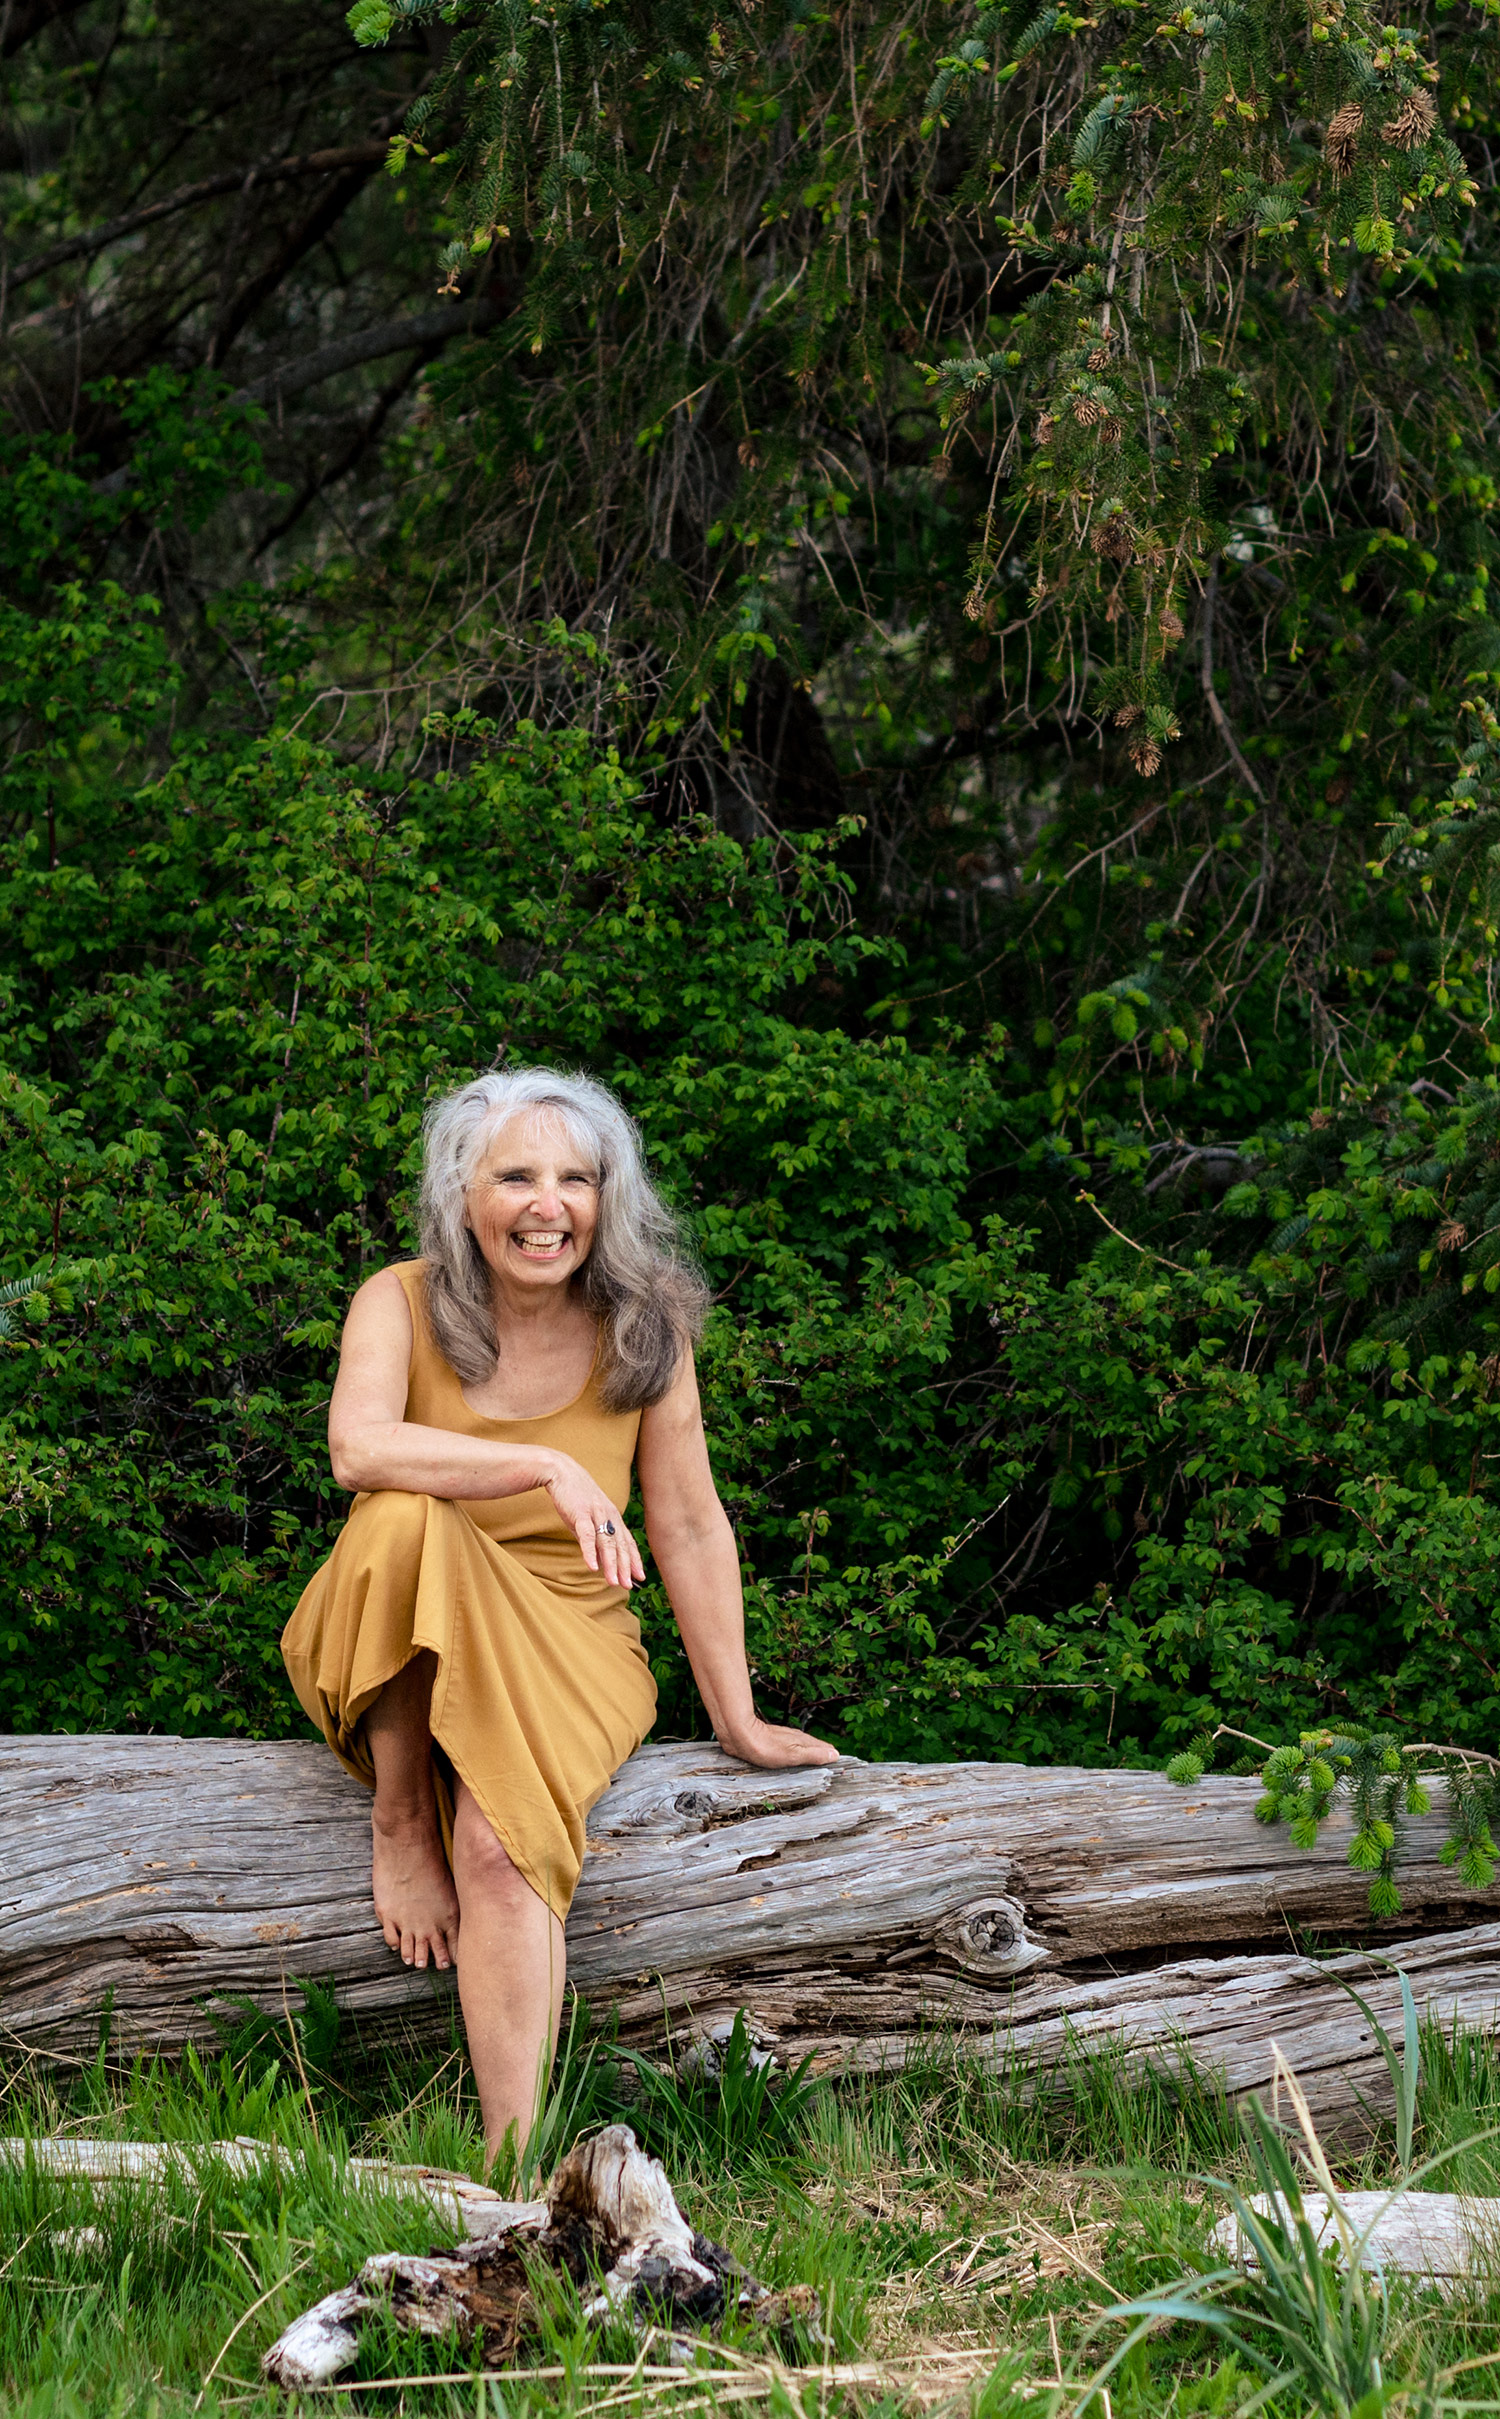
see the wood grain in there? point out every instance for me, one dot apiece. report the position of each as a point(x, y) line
point(846, 1907)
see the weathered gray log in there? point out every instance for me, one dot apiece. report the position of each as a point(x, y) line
point(1449, 2238)
point(846, 1907)
point(456, 2199)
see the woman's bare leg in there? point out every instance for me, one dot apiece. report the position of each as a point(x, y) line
point(413, 1889)
point(510, 1978)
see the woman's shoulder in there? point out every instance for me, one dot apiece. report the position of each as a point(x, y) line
point(395, 1288)
point(404, 1276)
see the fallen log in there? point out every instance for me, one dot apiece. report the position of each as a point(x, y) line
point(847, 1908)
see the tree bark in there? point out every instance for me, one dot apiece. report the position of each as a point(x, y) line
point(846, 1908)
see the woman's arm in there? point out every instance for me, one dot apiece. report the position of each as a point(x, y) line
point(690, 1536)
point(372, 1445)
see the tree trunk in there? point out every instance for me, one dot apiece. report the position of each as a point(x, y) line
point(846, 1908)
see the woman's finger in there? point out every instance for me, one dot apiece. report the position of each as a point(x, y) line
point(619, 1549)
point(588, 1540)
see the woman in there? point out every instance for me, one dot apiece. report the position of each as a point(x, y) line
point(468, 1648)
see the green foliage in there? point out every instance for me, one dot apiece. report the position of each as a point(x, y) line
point(1382, 1779)
point(1028, 1451)
point(731, 2107)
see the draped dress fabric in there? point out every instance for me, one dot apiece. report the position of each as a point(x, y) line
point(543, 1686)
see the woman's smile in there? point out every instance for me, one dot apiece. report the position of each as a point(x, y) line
point(547, 1245)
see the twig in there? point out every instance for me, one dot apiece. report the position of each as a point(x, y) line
point(244, 2320)
point(1226, 1730)
point(760, 2376)
point(1211, 694)
point(1144, 1249)
point(312, 2114)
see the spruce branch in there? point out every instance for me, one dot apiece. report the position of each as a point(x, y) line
point(1384, 1782)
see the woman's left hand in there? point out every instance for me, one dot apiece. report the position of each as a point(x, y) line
point(774, 1747)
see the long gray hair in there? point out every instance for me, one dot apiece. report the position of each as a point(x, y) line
point(648, 1299)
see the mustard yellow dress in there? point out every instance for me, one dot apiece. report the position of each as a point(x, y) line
point(543, 1687)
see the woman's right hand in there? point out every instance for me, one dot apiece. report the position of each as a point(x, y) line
point(599, 1525)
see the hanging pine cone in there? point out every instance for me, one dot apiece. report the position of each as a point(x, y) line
point(1086, 411)
point(1045, 427)
point(1111, 430)
point(1170, 624)
point(1341, 143)
point(1099, 357)
point(1145, 755)
point(1413, 123)
point(974, 605)
point(1452, 1235)
point(1125, 715)
point(1113, 540)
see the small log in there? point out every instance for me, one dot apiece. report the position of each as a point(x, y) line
point(1445, 2237)
point(455, 2200)
point(848, 1908)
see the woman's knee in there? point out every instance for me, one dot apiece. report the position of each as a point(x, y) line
point(481, 1852)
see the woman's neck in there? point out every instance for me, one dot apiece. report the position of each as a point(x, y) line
point(537, 1315)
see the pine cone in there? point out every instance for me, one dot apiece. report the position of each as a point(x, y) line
point(1086, 411)
point(1170, 624)
point(1125, 716)
point(1145, 755)
point(1341, 143)
point(1113, 540)
point(748, 454)
point(973, 605)
point(1099, 357)
point(1452, 1235)
point(1045, 427)
point(1111, 430)
point(1413, 123)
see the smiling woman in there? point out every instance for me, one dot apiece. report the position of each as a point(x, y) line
point(468, 1648)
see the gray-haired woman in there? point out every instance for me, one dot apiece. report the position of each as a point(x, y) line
point(468, 1648)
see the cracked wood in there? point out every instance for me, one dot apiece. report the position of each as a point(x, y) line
point(846, 1906)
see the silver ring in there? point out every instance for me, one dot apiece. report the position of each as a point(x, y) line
point(606, 1528)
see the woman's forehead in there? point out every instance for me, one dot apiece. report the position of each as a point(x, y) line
point(535, 1132)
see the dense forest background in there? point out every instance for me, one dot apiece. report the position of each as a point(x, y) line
point(909, 582)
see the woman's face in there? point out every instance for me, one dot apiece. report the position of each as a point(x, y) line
point(533, 1202)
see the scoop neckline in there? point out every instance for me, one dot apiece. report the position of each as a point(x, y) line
point(528, 1419)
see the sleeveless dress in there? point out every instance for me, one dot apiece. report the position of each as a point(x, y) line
point(543, 1686)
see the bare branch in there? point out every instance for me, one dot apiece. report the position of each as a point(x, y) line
point(187, 197)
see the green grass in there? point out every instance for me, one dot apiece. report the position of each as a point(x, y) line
point(942, 2212)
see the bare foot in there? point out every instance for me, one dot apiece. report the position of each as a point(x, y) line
point(415, 1900)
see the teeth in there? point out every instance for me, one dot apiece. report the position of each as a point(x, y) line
point(540, 1242)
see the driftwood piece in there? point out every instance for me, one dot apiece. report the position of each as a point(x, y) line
point(610, 2221)
point(1446, 2237)
point(847, 1908)
point(456, 2200)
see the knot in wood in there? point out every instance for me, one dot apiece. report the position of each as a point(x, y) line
point(988, 1937)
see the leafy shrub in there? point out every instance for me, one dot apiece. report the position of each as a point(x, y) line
point(1079, 1502)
